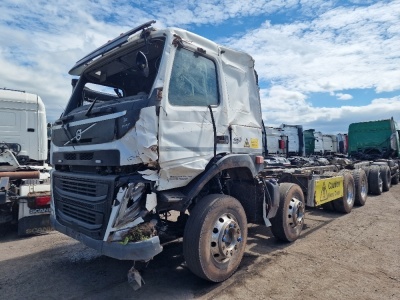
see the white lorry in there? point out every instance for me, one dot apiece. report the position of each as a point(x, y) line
point(166, 120)
point(24, 173)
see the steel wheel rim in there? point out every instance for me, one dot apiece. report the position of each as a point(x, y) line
point(350, 194)
point(225, 238)
point(295, 213)
point(364, 189)
point(380, 182)
point(389, 178)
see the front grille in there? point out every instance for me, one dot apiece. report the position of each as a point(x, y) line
point(86, 156)
point(100, 158)
point(78, 203)
point(70, 156)
point(83, 201)
point(80, 214)
point(79, 156)
point(79, 187)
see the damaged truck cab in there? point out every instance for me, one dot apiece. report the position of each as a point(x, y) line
point(161, 121)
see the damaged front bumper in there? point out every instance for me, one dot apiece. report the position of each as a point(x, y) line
point(139, 251)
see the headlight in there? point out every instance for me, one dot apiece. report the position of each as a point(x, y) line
point(130, 206)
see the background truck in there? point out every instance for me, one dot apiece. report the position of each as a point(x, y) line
point(166, 120)
point(374, 139)
point(294, 139)
point(376, 144)
point(24, 174)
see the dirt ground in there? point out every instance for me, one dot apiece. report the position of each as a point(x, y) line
point(354, 256)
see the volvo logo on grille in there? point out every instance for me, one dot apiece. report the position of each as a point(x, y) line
point(78, 134)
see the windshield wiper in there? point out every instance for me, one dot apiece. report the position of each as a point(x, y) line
point(90, 107)
point(63, 119)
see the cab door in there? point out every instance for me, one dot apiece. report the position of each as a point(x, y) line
point(186, 127)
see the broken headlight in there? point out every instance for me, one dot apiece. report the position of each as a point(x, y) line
point(130, 206)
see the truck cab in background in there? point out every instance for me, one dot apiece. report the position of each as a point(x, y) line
point(25, 177)
point(376, 143)
point(374, 139)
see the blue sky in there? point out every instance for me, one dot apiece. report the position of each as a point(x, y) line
point(322, 63)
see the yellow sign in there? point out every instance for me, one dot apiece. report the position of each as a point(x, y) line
point(254, 143)
point(328, 189)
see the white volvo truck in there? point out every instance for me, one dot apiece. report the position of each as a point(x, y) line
point(166, 120)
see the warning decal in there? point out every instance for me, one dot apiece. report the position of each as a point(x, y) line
point(328, 189)
point(254, 143)
point(246, 143)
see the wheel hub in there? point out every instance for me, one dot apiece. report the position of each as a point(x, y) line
point(350, 194)
point(295, 212)
point(380, 182)
point(364, 189)
point(225, 239)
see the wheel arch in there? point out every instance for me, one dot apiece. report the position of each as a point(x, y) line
point(239, 167)
point(241, 179)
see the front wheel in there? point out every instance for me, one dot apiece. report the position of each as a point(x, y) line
point(215, 237)
point(289, 219)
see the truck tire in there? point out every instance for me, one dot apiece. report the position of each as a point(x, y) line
point(386, 177)
point(215, 237)
point(346, 203)
point(361, 185)
point(289, 219)
point(328, 206)
point(366, 170)
point(375, 181)
point(395, 179)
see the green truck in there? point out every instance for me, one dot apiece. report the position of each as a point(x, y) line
point(376, 143)
point(374, 139)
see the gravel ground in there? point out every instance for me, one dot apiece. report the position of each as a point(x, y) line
point(354, 256)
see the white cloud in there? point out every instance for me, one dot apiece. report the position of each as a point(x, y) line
point(344, 48)
point(284, 106)
point(328, 49)
point(342, 96)
point(182, 13)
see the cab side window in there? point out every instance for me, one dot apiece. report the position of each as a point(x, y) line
point(193, 80)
